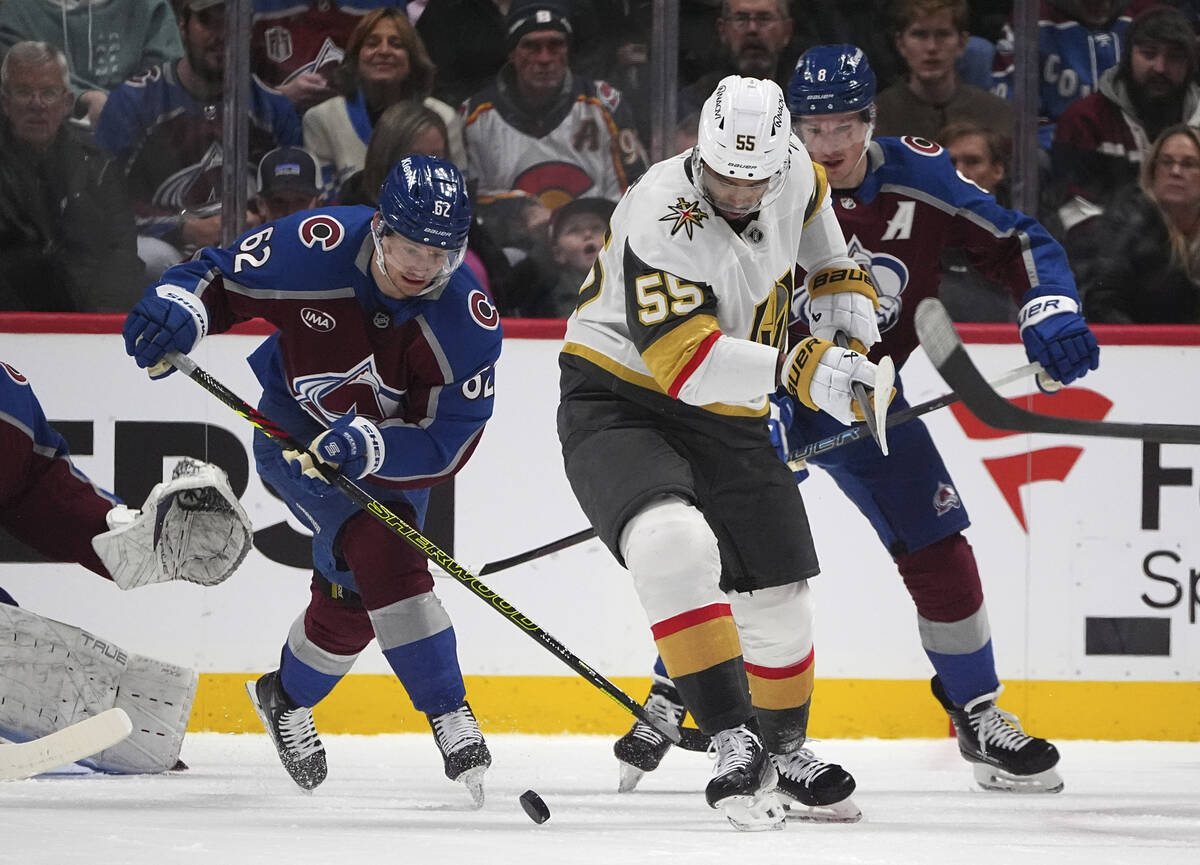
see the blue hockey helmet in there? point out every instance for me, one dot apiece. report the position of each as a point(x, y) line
point(831, 79)
point(424, 199)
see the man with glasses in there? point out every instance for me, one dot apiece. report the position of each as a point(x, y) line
point(384, 360)
point(67, 240)
point(754, 36)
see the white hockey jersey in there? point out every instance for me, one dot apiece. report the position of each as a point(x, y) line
point(681, 304)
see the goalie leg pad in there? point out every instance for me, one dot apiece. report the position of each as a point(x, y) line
point(191, 528)
point(53, 674)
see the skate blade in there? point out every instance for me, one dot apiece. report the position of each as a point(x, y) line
point(630, 775)
point(844, 811)
point(991, 778)
point(755, 813)
point(473, 779)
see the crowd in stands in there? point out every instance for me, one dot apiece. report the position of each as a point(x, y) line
point(111, 128)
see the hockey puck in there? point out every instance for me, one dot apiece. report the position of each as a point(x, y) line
point(535, 807)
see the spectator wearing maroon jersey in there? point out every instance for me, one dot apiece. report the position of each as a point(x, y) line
point(296, 48)
point(1102, 140)
point(1148, 271)
point(386, 63)
point(931, 36)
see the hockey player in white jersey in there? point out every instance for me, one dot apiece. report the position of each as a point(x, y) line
point(678, 337)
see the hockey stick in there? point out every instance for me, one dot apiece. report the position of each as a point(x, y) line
point(79, 740)
point(875, 416)
point(854, 433)
point(537, 552)
point(431, 550)
point(829, 443)
point(945, 349)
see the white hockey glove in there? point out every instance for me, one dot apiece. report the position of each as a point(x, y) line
point(191, 528)
point(819, 374)
point(843, 299)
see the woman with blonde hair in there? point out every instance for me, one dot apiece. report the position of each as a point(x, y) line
point(1148, 269)
point(385, 64)
point(407, 127)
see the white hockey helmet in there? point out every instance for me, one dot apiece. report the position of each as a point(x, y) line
point(743, 143)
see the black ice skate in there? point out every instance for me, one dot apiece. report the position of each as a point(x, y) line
point(465, 753)
point(1003, 755)
point(641, 749)
point(814, 790)
point(743, 781)
point(292, 730)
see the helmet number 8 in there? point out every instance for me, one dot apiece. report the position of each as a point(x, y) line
point(745, 142)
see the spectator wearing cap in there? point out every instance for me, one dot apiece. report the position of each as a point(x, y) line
point(539, 135)
point(104, 42)
point(1101, 140)
point(164, 127)
point(287, 183)
point(546, 284)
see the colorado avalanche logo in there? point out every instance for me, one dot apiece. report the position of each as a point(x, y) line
point(923, 146)
point(945, 499)
point(889, 274)
point(482, 310)
point(330, 395)
point(14, 374)
point(321, 230)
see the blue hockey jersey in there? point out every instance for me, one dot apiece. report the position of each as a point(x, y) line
point(909, 209)
point(421, 369)
point(1071, 58)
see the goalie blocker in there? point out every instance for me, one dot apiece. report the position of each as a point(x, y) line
point(191, 528)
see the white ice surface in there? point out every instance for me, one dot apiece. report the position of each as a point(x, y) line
point(386, 801)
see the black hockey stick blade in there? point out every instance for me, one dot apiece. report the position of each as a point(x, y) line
point(537, 552)
point(431, 551)
point(945, 349)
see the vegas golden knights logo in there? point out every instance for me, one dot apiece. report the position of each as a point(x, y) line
point(771, 316)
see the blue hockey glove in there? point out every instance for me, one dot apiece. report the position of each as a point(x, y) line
point(1057, 337)
point(171, 320)
point(783, 413)
point(353, 445)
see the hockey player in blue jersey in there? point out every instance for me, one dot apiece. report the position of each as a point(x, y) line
point(900, 204)
point(383, 360)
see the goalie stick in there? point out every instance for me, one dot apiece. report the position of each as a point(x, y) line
point(79, 740)
point(945, 349)
point(432, 551)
